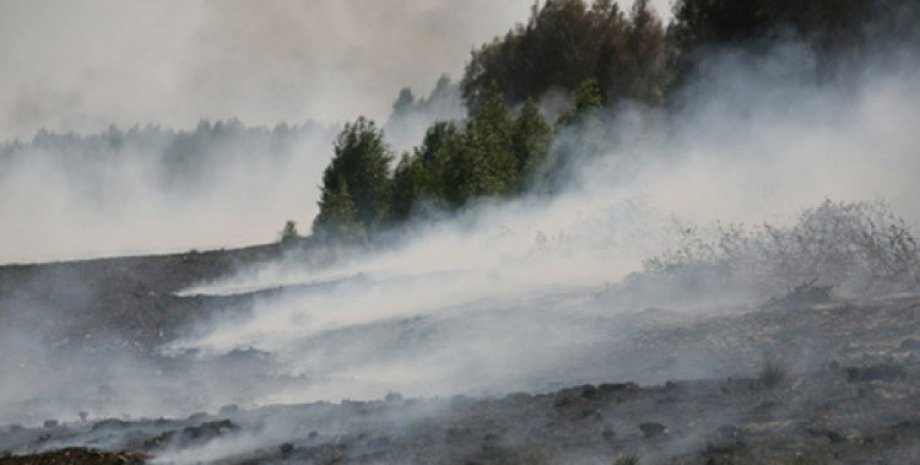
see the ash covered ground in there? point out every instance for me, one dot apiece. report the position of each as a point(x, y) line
point(803, 377)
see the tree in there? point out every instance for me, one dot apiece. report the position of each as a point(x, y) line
point(587, 100)
point(489, 150)
point(646, 73)
point(581, 133)
point(441, 147)
point(359, 169)
point(338, 216)
point(409, 186)
point(565, 43)
point(289, 234)
point(404, 102)
point(531, 138)
point(835, 30)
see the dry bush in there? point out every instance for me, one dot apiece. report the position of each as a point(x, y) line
point(773, 372)
point(859, 248)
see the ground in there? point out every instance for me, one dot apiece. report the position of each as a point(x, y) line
point(853, 397)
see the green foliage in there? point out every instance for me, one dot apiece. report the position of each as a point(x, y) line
point(338, 216)
point(581, 133)
point(587, 101)
point(531, 138)
point(358, 177)
point(404, 102)
point(409, 187)
point(493, 166)
point(441, 157)
point(289, 233)
point(645, 75)
point(441, 99)
point(568, 42)
point(597, 53)
point(488, 158)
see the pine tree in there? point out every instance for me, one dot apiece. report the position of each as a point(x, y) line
point(587, 100)
point(646, 70)
point(531, 140)
point(338, 216)
point(489, 149)
point(440, 149)
point(362, 164)
point(583, 134)
point(289, 234)
point(409, 187)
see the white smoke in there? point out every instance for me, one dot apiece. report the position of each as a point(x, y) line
point(502, 298)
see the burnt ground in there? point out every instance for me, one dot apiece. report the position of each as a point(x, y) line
point(124, 302)
point(837, 381)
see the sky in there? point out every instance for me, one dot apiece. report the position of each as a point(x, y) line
point(82, 65)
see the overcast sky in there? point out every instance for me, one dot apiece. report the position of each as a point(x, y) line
point(84, 64)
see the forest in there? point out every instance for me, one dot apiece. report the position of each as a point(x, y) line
point(599, 56)
point(529, 106)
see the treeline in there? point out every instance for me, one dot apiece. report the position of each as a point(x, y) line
point(633, 55)
point(178, 159)
point(598, 55)
point(568, 42)
point(491, 156)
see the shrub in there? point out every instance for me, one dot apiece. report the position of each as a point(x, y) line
point(289, 233)
point(860, 248)
point(772, 373)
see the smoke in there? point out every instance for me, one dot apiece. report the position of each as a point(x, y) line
point(153, 190)
point(517, 295)
point(81, 66)
point(509, 295)
point(85, 66)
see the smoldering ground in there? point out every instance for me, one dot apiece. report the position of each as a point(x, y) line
point(523, 273)
point(533, 294)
